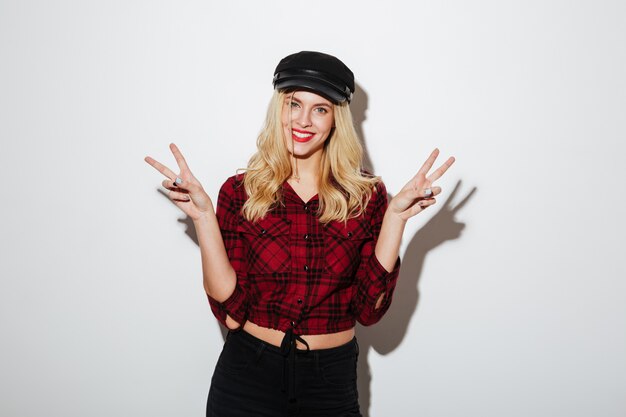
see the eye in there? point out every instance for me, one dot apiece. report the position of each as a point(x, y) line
point(294, 105)
point(321, 110)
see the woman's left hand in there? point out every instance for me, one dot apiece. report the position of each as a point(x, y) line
point(419, 193)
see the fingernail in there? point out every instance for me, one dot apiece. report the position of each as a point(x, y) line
point(178, 181)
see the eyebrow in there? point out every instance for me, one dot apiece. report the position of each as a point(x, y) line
point(315, 105)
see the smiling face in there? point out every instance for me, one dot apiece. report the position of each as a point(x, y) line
point(308, 120)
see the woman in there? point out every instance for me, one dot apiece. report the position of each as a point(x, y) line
point(300, 247)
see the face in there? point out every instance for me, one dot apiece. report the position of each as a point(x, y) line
point(308, 120)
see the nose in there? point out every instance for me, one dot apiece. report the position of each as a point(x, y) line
point(303, 119)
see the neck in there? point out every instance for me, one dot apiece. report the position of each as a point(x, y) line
point(306, 169)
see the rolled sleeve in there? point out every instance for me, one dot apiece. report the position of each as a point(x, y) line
point(380, 282)
point(235, 306)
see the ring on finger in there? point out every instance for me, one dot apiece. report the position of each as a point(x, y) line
point(428, 192)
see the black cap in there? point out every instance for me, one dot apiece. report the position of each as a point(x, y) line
point(318, 72)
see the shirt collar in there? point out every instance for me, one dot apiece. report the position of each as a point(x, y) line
point(290, 194)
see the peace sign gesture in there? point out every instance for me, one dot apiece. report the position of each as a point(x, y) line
point(419, 193)
point(185, 190)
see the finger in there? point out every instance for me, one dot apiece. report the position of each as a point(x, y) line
point(430, 192)
point(180, 159)
point(441, 170)
point(412, 211)
point(428, 164)
point(413, 194)
point(173, 184)
point(180, 183)
point(160, 167)
point(420, 193)
point(418, 208)
point(178, 196)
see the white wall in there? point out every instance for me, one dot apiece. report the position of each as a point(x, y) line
point(512, 297)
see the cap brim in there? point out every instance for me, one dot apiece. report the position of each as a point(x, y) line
point(314, 86)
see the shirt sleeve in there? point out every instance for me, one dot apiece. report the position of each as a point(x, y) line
point(228, 215)
point(372, 278)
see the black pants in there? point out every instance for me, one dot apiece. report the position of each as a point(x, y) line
point(255, 379)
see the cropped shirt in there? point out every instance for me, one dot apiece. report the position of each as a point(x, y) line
point(294, 272)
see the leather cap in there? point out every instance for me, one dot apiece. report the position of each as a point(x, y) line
point(317, 72)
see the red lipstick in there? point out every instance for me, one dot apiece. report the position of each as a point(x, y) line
point(301, 135)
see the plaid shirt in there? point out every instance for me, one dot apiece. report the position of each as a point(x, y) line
point(294, 272)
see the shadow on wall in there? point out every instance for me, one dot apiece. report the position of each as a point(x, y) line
point(385, 336)
point(388, 334)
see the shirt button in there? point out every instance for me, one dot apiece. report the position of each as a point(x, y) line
point(306, 237)
point(306, 207)
point(293, 324)
point(263, 231)
point(299, 300)
point(306, 267)
point(349, 234)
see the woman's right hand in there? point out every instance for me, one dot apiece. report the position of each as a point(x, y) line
point(184, 189)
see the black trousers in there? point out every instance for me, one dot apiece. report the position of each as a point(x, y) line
point(255, 379)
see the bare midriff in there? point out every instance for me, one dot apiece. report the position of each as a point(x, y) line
point(316, 341)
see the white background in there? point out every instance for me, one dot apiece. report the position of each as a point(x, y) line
point(512, 295)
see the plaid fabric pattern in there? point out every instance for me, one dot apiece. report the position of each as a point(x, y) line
point(294, 272)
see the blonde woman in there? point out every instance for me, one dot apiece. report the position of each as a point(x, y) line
point(300, 247)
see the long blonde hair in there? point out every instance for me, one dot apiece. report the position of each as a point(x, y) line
point(344, 190)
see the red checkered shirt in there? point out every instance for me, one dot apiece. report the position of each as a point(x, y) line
point(295, 272)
